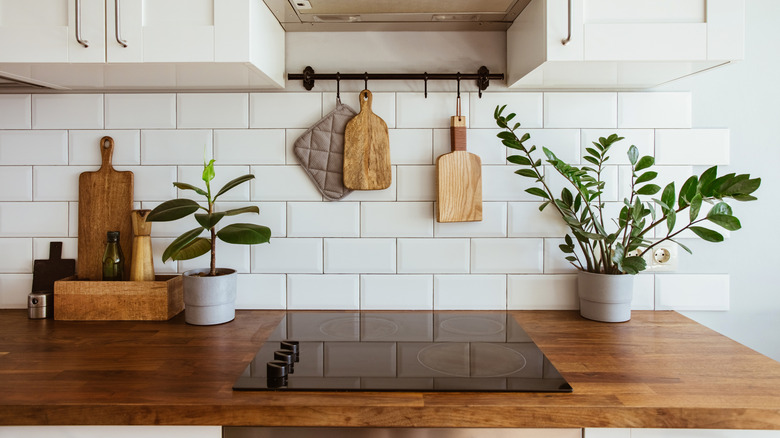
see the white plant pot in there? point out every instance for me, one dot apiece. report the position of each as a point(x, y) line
point(605, 298)
point(209, 300)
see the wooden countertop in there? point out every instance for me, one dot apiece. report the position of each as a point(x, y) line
point(658, 370)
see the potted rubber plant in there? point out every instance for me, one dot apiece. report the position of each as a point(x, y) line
point(607, 251)
point(209, 293)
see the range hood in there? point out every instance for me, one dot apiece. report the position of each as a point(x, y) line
point(396, 15)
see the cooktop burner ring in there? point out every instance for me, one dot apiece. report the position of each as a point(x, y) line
point(472, 325)
point(350, 326)
point(495, 360)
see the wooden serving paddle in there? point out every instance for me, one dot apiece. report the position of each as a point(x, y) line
point(367, 150)
point(46, 272)
point(459, 177)
point(105, 203)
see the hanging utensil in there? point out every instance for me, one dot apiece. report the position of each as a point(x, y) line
point(367, 149)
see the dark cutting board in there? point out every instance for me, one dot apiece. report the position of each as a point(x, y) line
point(46, 272)
point(105, 203)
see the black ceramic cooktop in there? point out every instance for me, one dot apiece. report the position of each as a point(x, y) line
point(400, 351)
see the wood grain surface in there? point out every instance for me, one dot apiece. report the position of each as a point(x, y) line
point(142, 264)
point(459, 179)
point(659, 370)
point(105, 203)
point(367, 149)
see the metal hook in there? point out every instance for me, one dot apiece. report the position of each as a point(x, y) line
point(457, 100)
point(425, 79)
point(366, 80)
point(338, 87)
point(458, 79)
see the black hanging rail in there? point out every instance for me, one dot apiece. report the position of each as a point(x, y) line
point(483, 77)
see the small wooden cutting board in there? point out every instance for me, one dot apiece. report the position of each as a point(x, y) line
point(367, 150)
point(459, 177)
point(46, 272)
point(105, 203)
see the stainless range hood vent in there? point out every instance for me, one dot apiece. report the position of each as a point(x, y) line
point(398, 15)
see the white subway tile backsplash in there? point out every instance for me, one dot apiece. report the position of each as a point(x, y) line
point(85, 147)
point(388, 194)
point(542, 292)
point(67, 111)
point(355, 256)
point(33, 219)
point(509, 256)
point(283, 183)
point(644, 292)
point(580, 110)
point(140, 111)
point(430, 256)
point(15, 288)
point(249, 146)
point(158, 248)
point(222, 175)
point(16, 256)
point(525, 220)
point(666, 174)
point(564, 143)
point(485, 144)
point(272, 215)
point(57, 183)
point(692, 146)
point(527, 106)
point(212, 110)
point(73, 219)
point(692, 292)
point(643, 139)
point(654, 110)
point(416, 183)
point(290, 137)
point(70, 247)
point(382, 104)
point(411, 146)
point(416, 111)
point(323, 219)
point(153, 183)
point(261, 291)
point(396, 292)
point(469, 292)
point(288, 255)
point(15, 111)
point(284, 110)
point(33, 147)
point(162, 146)
point(554, 259)
point(609, 175)
point(328, 291)
point(493, 224)
point(500, 183)
point(18, 177)
point(397, 219)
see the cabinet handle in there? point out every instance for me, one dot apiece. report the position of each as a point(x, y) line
point(118, 32)
point(567, 40)
point(81, 41)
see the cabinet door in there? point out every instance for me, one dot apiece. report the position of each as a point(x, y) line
point(45, 31)
point(160, 30)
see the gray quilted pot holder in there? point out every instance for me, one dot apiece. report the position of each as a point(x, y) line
point(320, 151)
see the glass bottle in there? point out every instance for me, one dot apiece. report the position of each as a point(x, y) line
point(113, 260)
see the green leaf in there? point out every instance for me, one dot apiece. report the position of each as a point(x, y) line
point(519, 159)
point(633, 154)
point(566, 196)
point(538, 192)
point(172, 251)
point(235, 211)
point(196, 248)
point(245, 234)
point(185, 186)
point(720, 208)
point(649, 189)
point(645, 177)
point(591, 160)
point(687, 191)
point(506, 135)
point(707, 234)
point(543, 205)
point(634, 265)
point(745, 187)
point(208, 221)
point(644, 163)
point(527, 173)
point(173, 210)
point(233, 183)
point(571, 258)
point(566, 249)
point(695, 207)
point(668, 195)
point(728, 222)
point(525, 137)
point(688, 250)
point(208, 171)
point(705, 181)
point(671, 218)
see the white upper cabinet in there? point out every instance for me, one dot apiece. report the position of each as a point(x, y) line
point(621, 43)
point(142, 44)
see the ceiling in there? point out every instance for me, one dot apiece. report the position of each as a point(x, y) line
point(395, 15)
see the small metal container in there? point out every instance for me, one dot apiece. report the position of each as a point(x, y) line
point(40, 305)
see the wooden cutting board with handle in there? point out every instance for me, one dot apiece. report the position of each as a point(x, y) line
point(105, 203)
point(367, 149)
point(459, 177)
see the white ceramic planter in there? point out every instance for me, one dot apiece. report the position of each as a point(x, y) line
point(605, 298)
point(209, 300)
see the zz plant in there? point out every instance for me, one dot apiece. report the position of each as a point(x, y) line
point(190, 244)
point(595, 245)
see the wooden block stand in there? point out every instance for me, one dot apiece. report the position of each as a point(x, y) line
point(78, 300)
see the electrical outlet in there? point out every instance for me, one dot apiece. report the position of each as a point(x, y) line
point(663, 258)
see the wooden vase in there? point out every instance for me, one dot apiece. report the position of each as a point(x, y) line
point(142, 264)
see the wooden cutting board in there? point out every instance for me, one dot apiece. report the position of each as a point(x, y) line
point(46, 272)
point(367, 149)
point(105, 203)
point(459, 177)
